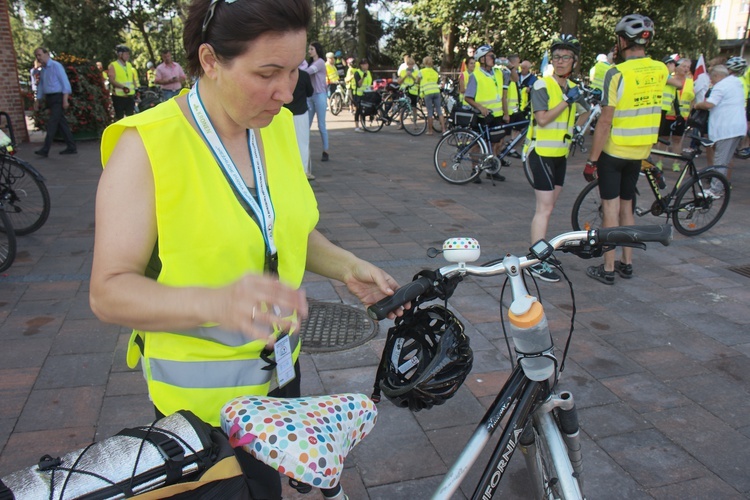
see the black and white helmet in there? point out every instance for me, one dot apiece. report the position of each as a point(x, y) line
point(636, 29)
point(481, 52)
point(736, 64)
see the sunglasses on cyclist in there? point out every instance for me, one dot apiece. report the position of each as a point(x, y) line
point(209, 16)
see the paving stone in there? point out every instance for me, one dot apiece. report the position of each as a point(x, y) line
point(667, 363)
point(75, 370)
point(119, 412)
point(736, 368)
point(71, 340)
point(587, 390)
point(609, 420)
point(650, 458)
point(716, 445)
point(462, 407)
point(15, 386)
point(24, 352)
point(600, 359)
point(603, 477)
point(416, 489)
point(704, 488)
point(731, 403)
point(644, 394)
point(49, 409)
point(126, 383)
point(359, 356)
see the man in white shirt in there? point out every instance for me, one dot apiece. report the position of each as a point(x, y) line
point(726, 117)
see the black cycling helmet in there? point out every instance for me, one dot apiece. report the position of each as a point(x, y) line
point(635, 28)
point(392, 87)
point(568, 42)
point(425, 360)
point(122, 48)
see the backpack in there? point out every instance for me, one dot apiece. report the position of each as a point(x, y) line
point(178, 456)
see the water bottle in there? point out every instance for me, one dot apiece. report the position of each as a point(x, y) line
point(530, 332)
point(659, 176)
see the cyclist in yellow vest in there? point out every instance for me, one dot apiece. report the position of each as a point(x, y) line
point(512, 92)
point(350, 84)
point(628, 127)
point(223, 281)
point(668, 109)
point(362, 79)
point(683, 103)
point(598, 70)
point(553, 105)
point(123, 80)
point(429, 82)
point(408, 78)
point(151, 75)
point(332, 74)
point(463, 78)
point(484, 92)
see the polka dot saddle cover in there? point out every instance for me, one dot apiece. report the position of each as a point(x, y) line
point(305, 438)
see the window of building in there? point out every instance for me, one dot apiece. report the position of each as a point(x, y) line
point(713, 12)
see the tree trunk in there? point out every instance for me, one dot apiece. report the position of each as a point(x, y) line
point(449, 35)
point(569, 16)
point(361, 29)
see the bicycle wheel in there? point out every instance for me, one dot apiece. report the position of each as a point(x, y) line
point(696, 209)
point(24, 194)
point(337, 102)
point(455, 161)
point(587, 209)
point(414, 121)
point(7, 241)
point(372, 123)
point(547, 460)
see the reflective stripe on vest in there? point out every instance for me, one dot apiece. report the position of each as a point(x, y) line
point(124, 75)
point(512, 97)
point(553, 140)
point(364, 82)
point(667, 99)
point(429, 81)
point(687, 94)
point(638, 111)
point(489, 93)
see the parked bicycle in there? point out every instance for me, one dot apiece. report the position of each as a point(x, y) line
point(395, 107)
point(147, 98)
point(694, 206)
point(7, 240)
point(463, 153)
point(340, 98)
point(23, 192)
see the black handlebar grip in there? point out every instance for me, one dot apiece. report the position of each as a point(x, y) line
point(636, 234)
point(405, 294)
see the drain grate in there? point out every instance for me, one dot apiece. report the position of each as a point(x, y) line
point(335, 327)
point(743, 270)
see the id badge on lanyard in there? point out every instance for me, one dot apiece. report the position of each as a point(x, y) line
point(262, 208)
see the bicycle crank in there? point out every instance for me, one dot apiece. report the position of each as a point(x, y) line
point(491, 165)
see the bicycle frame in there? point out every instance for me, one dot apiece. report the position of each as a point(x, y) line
point(665, 200)
point(484, 136)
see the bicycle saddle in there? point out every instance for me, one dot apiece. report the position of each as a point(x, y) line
point(306, 439)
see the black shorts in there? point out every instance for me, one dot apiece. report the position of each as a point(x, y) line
point(665, 126)
point(547, 171)
point(495, 121)
point(517, 117)
point(617, 177)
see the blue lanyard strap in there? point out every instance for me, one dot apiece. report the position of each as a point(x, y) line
point(263, 208)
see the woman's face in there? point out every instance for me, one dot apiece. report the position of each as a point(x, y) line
point(312, 52)
point(470, 65)
point(562, 60)
point(255, 85)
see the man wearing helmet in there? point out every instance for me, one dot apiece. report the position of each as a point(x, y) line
point(151, 75)
point(628, 127)
point(123, 79)
point(484, 91)
point(553, 105)
point(338, 61)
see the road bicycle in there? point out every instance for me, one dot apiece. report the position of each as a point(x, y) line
point(530, 411)
point(693, 207)
point(593, 97)
point(147, 98)
point(23, 192)
point(395, 107)
point(463, 153)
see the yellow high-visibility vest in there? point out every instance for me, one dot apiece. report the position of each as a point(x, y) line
point(489, 91)
point(552, 140)
point(638, 112)
point(124, 75)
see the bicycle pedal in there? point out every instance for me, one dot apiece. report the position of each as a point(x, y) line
point(300, 487)
point(639, 211)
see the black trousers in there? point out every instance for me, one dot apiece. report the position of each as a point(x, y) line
point(124, 106)
point(57, 122)
point(263, 481)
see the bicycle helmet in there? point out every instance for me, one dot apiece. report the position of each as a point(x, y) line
point(122, 48)
point(568, 42)
point(425, 360)
point(674, 59)
point(635, 28)
point(392, 87)
point(149, 65)
point(481, 52)
point(736, 64)
point(338, 53)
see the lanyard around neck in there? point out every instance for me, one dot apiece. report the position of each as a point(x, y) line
point(263, 209)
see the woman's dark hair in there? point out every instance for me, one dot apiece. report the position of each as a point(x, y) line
point(235, 25)
point(319, 49)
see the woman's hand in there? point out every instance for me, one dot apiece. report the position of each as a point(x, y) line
point(370, 284)
point(255, 303)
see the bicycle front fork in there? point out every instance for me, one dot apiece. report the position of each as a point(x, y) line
point(567, 427)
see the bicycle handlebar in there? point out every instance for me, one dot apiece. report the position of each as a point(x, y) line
point(576, 242)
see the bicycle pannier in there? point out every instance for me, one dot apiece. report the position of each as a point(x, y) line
point(178, 456)
point(698, 119)
point(463, 117)
point(369, 103)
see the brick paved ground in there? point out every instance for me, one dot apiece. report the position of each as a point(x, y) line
point(659, 364)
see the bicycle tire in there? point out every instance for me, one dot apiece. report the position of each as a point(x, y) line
point(372, 123)
point(690, 208)
point(555, 478)
point(24, 195)
point(452, 163)
point(587, 209)
point(7, 241)
point(414, 123)
point(337, 102)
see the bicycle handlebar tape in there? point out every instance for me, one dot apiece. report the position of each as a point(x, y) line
point(636, 234)
point(405, 294)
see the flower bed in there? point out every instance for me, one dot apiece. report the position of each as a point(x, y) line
point(90, 108)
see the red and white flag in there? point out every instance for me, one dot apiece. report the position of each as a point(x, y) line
point(701, 82)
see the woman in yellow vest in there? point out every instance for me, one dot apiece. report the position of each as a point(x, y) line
point(408, 78)
point(429, 81)
point(362, 79)
point(553, 106)
point(463, 78)
point(205, 222)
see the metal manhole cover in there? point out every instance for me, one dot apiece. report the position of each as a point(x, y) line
point(335, 327)
point(743, 270)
